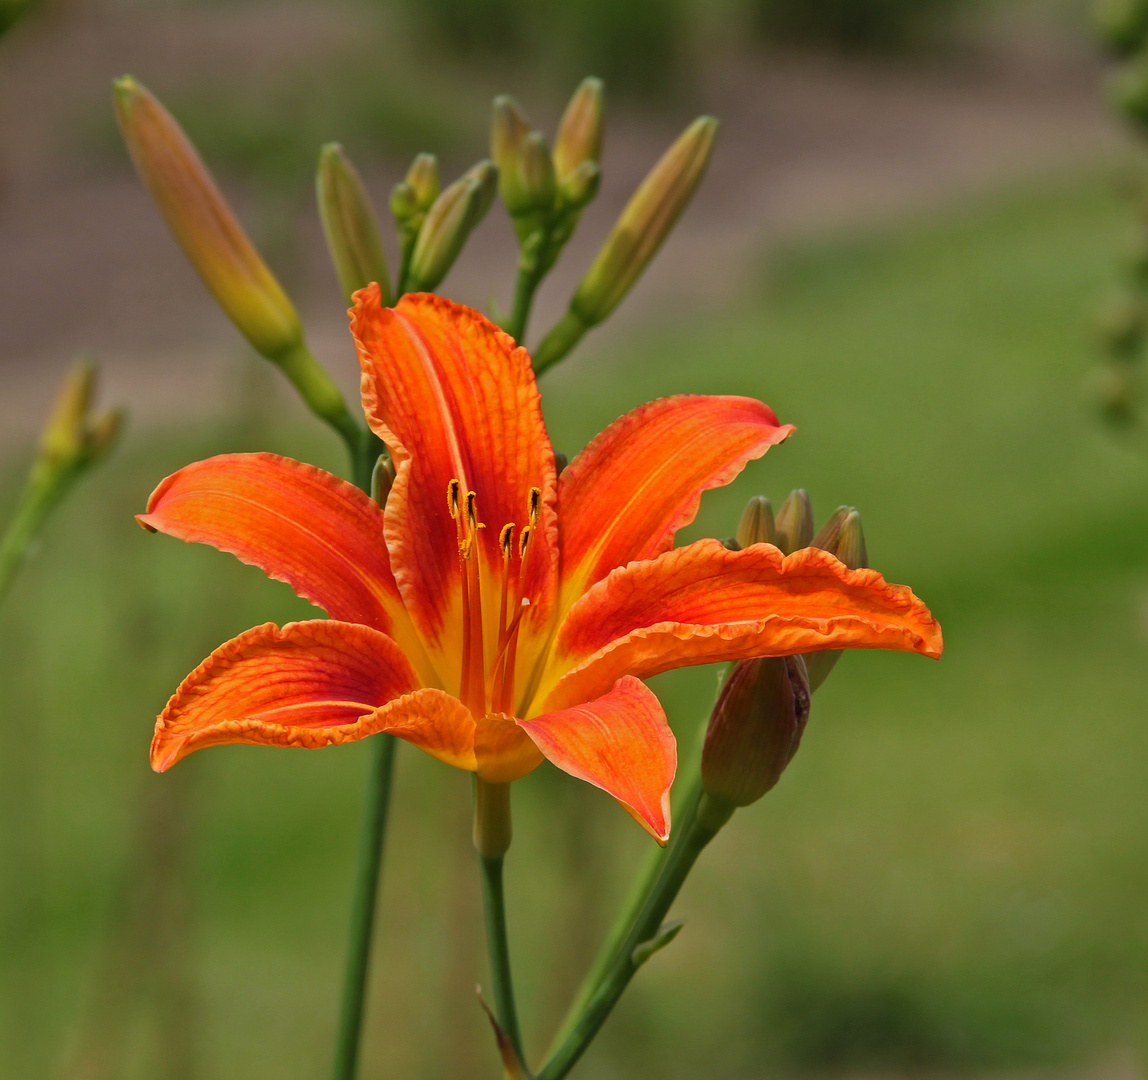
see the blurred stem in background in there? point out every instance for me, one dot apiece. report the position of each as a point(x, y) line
point(72, 441)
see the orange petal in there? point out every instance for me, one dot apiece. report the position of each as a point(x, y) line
point(641, 479)
point(702, 603)
point(298, 524)
point(310, 684)
point(504, 752)
point(433, 721)
point(620, 743)
point(454, 398)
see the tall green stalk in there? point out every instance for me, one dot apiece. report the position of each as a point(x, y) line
point(376, 804)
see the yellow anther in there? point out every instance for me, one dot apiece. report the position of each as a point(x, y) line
point(464, 547)
point(535, 504)
point(452, 490)
point(524, 541)
point(472, 511)
point(506, 540)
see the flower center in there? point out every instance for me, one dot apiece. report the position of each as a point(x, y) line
point(484, 688)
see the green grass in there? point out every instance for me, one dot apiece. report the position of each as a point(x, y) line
point(949, 877)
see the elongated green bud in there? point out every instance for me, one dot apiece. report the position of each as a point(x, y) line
point(508, 128)
point(579, 187)
point(536, 172)
point(579, 137)
point(203, 223)
point(350, 225)
point(645, 223)
point(485, 174)
point(404, 202)
point(755, 728)
point(757, 526)
point(72, 437)
point(448, 223)
point(842, 536)
point(422, 178)
point(795, 522)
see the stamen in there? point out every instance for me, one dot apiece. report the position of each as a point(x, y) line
point(506, 540)
point(472, 512)
point(524, 541)
point(535, 504)
point(506, 546)
point(473, 584)
point(510, 648)
point(452, 490)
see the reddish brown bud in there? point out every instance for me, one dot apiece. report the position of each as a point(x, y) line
point(755, 728)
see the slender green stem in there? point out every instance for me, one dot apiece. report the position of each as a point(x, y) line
point(319, 393)
point(41, 493)
point(559, 340)
point(525, 286)
point(685, 809)
point(364, 456)
point(492, 835)
point(611, 947)
point(704, 818)
point(375, 807)
point(498, 945)
point(364, 447)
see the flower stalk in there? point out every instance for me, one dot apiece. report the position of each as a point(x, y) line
point(71, 442)
point(376, 805)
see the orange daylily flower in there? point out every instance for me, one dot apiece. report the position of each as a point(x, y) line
point(493, 613)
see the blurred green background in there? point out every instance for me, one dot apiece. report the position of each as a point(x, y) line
point(950, 877)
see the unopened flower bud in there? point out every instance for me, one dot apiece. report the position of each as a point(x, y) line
point(350, 225)
point(842, 536)
point(508, 128)
point(579, 138)
point(382, 479)
point(645, 223)
point(755, 728)
point(424, 181)
point(756, 526)
point(404, 202)
point(795, 522)
point(536, 172)
point(579, 187)
point(448, 223)
point(203, 223)
point(485, 174)
point(72, 437)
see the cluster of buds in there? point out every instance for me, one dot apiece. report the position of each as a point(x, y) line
point(1122, 321)
point(644, 224)
point(761, 712)
point(433, 225)
point(545, 191)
